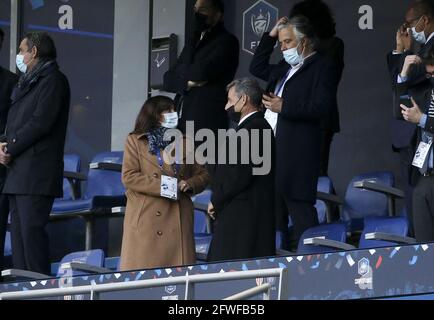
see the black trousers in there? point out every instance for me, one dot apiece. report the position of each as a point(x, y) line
point(303, 215)
point(406, 156)
point(4, 213)
point(326, 142)
point(30, 246)
point(423, 209)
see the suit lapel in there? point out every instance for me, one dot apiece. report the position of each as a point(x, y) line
point(305, 65)
point(250, 119)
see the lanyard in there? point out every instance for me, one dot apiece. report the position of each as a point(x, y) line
point(176, 166)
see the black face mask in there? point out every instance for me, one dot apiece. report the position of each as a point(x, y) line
point(232, 114)
point(200, 22)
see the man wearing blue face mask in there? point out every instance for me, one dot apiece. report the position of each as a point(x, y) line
point(301, 92)
point(405, 68)
point(32, 149)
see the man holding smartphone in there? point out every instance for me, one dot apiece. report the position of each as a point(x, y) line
point(421, 113)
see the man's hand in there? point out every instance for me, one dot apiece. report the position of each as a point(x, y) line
point(192, 84)
point(275, 32)
point(272, 102)
point(409, 62)
point(5, 158)
point(211, 211)
point(413, 115)
point(404, 40)
point(184, 186)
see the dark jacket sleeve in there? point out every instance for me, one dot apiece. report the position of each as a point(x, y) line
point(260, 66)
point(429, 127)
point(174, 79)
point(321, 102)
point(216, 64)
point(54, 92)
point(237, 178)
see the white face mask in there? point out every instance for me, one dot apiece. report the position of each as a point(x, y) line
point(418, 36)
point(20, 63)
point(170, 120)
point(292, 56)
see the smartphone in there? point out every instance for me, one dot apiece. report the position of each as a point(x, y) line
point(406, 101)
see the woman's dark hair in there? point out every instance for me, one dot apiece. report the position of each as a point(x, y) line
point(44, 43)
point(320, 16)
point(150, 114)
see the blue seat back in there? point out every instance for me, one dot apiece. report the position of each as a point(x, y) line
point(71, 163)
point(200, 220)
point(360, 204)
point(112, 263)
point(335, 231)
point(105, 182)
point(396, 225)
point(91, 257)
point(324, 185)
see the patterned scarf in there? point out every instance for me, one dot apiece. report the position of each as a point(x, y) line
point(156, 140)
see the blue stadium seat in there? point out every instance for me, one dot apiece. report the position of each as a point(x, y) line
point(202, 232)
point(94, 258)
point(105, 191)
point(362, 203)
point(329, 232)
point(74, 264)
point(397, 226)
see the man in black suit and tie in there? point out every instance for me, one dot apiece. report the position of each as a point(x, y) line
point(301, 92)
point(421, 114)
point(242, 202)
point(8, 80)
point(404, 67)
point(32, 149)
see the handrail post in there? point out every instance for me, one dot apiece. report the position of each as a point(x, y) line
point(283, 284)
point(189, 290)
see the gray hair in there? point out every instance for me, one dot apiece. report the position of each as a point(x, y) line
point(249, 87)
point(302, 29)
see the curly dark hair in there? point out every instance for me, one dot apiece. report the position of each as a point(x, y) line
point(320, 16)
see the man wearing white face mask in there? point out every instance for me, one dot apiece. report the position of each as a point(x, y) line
point(32, 149)
point(301, 91)
point(405, 67)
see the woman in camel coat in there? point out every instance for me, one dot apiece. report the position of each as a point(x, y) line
point(158, 232)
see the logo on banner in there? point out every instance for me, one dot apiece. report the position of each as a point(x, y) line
point(366, 273)
point(257, 20)
point(170, 289)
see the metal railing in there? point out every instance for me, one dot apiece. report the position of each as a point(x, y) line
point(189, 281)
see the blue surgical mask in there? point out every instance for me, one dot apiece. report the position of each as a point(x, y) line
point(292, 56)
point(170, 120)
point(418, 36)
point(20, 63)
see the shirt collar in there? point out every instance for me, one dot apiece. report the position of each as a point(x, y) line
point(246, 117)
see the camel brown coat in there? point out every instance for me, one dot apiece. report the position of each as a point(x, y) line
point(158, 232)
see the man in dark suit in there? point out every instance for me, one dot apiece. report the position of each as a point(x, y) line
point(421, 113)
point(32, 149)
point(8, 81)
point(417, 29)
point(242, 201)
point(302, 90)
point(333, 49)
point(207, 64)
